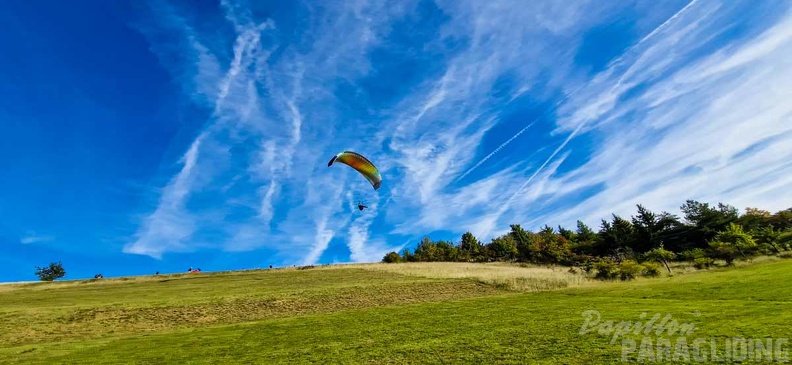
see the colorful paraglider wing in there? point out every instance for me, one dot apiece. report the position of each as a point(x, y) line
point(361, 164)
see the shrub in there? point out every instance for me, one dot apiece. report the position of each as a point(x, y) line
point(703, 263)
point(606, 270)
point(629, 269)
point(767, 249)
point(574, 259)
point(785, 239)
point(587, 266)
point(651, 269)
point(785, 255)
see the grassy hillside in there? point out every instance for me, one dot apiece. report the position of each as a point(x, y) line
point(375, 314)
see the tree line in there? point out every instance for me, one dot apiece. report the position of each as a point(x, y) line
point(624, 247)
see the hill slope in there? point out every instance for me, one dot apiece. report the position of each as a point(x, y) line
point(375, 314)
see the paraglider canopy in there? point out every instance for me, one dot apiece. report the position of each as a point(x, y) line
point(361, 165)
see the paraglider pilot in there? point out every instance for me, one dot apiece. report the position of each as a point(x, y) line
point(361, 206)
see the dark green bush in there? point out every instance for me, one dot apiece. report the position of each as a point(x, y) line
point(392, 257)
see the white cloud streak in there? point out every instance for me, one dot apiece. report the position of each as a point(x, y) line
point(496, 150)
point(616, 61)
point(168, 228)
point(662, 123)
point(692, 125)
point(290, 203)
point(33, 237)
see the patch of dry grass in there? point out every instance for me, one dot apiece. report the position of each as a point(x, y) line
point(518, 277)
point(63, 284)
point(70, 311)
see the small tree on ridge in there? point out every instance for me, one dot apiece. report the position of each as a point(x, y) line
point(54, 271)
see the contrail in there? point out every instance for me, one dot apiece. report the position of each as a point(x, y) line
point(613, 63)
point(661, 26)
point(495, 151)
point(505, 206)
point(516, 135)
point(558, 149)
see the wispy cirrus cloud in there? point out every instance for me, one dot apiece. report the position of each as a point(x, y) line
point(449, 132)
point(486, 116)
point(677, 137)
point(259, 185)
point(33, 237)
point(629, 165)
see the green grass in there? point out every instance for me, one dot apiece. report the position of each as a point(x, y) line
point(364, 314)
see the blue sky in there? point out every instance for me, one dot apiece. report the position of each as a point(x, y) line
point(159, 135)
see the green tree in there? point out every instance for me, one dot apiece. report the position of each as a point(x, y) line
point(407, 256)
point(567, 233)
point(692, 254)
point(551, 247)
point(755, 219)
point(646, 229)
point(54, 271)
point(586, 241)
point(782, 220)
point(503, 247)
point(768, 237)
point(471, 248)
point(427, 251)
point(652, 230)
point(723, 250)
point(584, 232)
point(705, 221)
point(735, 236)
point(446, 251)
point(617, 234)
point(392, 257)
point(661, 255)
point(523, 240)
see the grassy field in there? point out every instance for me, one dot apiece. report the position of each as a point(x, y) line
point(437, 313)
